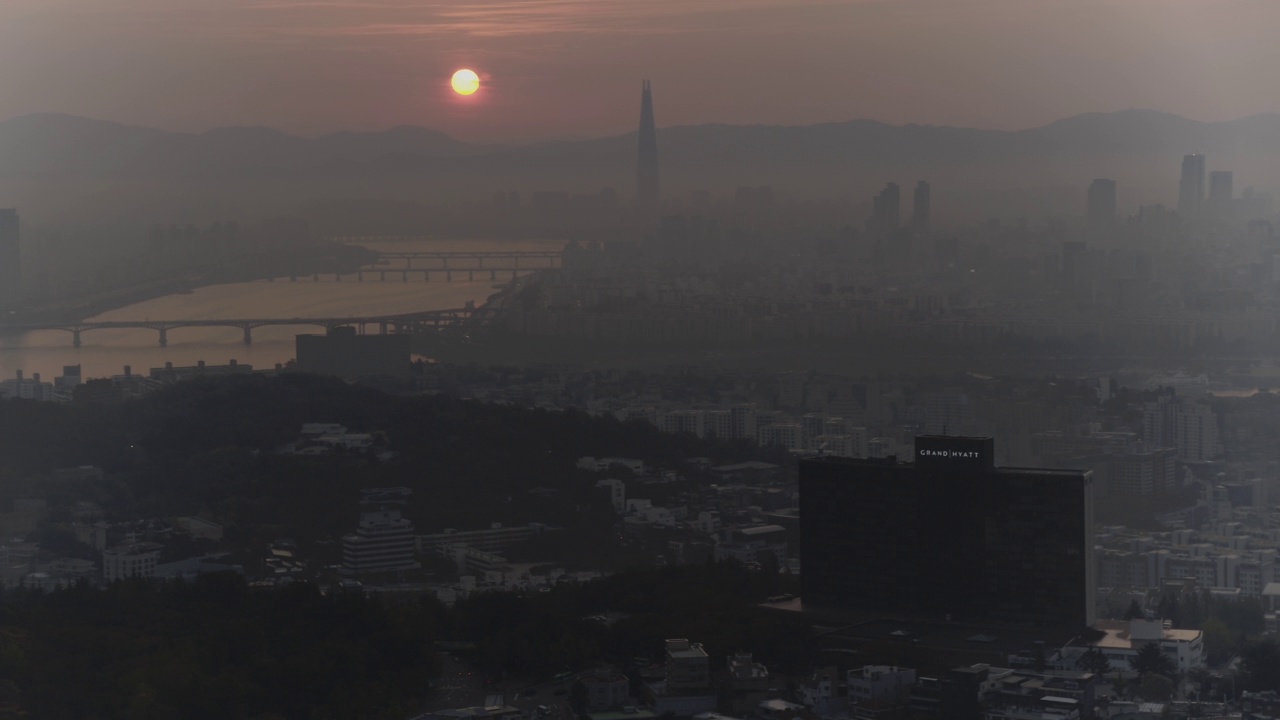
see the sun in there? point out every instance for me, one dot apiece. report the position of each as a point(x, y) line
point(465, 82)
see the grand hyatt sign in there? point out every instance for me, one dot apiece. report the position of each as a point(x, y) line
point(947, 452)
point(969, 454)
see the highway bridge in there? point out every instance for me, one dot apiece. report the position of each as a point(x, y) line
point(486, 265)
point(461, 259)
point(412, 323)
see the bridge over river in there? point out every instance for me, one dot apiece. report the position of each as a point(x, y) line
point(451, 263)
point(413, 323)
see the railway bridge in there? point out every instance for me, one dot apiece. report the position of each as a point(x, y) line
point(413, 323)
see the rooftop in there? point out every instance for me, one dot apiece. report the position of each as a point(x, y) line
point(681, 648)
point(763, 530)
point(634, 714)
point(894, 462)
point(749, 465)
point(1120, 634)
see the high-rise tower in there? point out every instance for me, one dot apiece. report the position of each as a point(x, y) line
point(920, 209)
point(1191, 188)
point(886, 212)
point(1102, 204)
point(1221, 193)
point(647, 165)
point(10, 255)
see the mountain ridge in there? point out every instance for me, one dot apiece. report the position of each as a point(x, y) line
point(420, 131)
point(54, 162)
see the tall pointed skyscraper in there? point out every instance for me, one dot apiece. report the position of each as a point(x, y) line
point(647, 165)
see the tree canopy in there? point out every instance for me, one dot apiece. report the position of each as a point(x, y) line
point(218, 648)
point(1152, 660)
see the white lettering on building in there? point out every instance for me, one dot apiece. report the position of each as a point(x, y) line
point(970, 454)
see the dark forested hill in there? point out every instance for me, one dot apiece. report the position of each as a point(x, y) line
point(210, 447)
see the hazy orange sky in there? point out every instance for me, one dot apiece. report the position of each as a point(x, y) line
point(571, 68)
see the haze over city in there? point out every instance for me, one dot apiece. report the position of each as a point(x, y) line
point(640, 360)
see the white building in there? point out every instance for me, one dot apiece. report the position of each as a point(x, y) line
point(852, 445)
point(606, 690)
point(1124, 639)
point(716, 423)
point(679, 421)
point(383, 542)
point(27, 388)
point(1189, 427)
point(788, 435)
point(617, 494)
point(875, 691)
point(687, 690)
point(126, 561)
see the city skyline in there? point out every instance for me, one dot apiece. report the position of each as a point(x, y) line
point(372, 358)
point(762, 61)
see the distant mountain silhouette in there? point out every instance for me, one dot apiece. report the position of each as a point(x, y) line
point(253, 167)
point(52, 144)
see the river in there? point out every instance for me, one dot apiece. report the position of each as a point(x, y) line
point(105, 352)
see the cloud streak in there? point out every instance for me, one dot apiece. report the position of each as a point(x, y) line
point(524, 18)
point(570, 66)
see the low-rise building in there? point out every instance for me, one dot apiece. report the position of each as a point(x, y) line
point(171, 374)
point(495, 538)
point(686, 690)
point(746, 683)
point(199, 528)
point(755, 545)
point(135, 560)
point(1124, 639)
point(606, 690)
point(26, 388)
point(600, 464)
point(879, 691)
point(617, 490)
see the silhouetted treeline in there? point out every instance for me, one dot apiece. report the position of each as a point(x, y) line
point(541, 634)
point(217, 648)
point(214, 648)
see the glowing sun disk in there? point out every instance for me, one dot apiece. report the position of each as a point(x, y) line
point(465, 82)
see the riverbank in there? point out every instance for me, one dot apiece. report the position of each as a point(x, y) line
point(345, 260)
point(316, 293)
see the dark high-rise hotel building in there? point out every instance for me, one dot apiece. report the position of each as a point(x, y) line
point(949, 535)
point(10, 255)
point(647, 165)
point(1191, 187)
